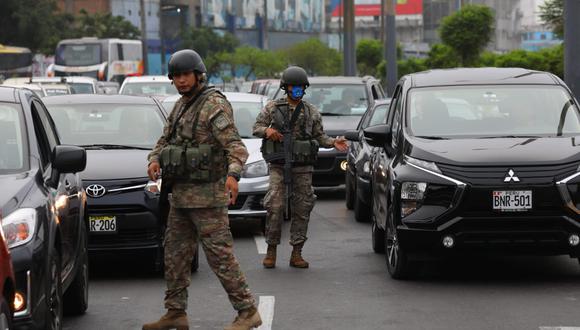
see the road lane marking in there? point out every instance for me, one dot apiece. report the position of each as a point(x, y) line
point(261, 244)
point(266, 309)
point(559, 328)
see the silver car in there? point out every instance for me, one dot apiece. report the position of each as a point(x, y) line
point(255, 177)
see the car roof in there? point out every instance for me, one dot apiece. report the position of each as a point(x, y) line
point(7, 94)
point(98, 99)
point(245, 97)
point(480, 76)
point(338, 80)
point(146, 79)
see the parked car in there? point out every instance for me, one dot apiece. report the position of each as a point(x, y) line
point(42, 91)
point(7, 284)
point(358, 172)
point(267, 87)
point(341, 101)
point(148, 85)
point(500, 176)
point(118, 132)
point(78, 85)
point(43, 210)
point(255, 178)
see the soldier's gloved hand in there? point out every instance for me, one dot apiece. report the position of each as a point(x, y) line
point(273, 134)
point(153, 171)
point(232, 189)
point(340, 144)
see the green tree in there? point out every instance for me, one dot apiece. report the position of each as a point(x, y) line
point(369, 54)
point(468, 31)
point(552, 14)
point(522, 59)
point(315, 57)
point(104, 26)
point(206, 42)
point(442, 56)
point(258, 62)
point(554, 58)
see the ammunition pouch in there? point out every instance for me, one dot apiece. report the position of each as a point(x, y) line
point(304, 152)
point(192, 164)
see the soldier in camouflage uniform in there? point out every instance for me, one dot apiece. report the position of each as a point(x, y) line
point(307, 134)
point(201, 155)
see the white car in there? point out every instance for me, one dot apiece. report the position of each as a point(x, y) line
point(255, 178)
point(78, 85)
point(43, 90)
point(148, 85)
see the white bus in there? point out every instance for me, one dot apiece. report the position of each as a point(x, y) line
point(102, 59)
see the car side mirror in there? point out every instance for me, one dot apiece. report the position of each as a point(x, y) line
point(351, 135)
point(378, 136)
point(66, 159)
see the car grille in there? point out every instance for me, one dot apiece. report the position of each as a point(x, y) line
point(325, 163)
point(240, 201)
point(494, 175)
point(125, 237)
point(253, 202)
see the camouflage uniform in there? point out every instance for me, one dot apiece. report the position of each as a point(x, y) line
point(303, 197)
point(199, 210)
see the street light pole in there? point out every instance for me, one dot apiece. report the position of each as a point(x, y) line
point(572, 45)
point(162, 39)
point(391, 47)
point(143, 34)
point(349, 43)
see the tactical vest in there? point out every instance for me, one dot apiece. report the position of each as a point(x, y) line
point(304, 147)
point(191, 162)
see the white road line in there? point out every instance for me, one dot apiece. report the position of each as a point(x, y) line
point(266, 309)
point(261, 244)
point(559, 328)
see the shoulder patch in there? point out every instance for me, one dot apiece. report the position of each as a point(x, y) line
point(221, 121)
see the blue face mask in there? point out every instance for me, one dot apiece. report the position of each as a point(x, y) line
point(297, 92)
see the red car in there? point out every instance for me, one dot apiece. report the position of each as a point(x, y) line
point(6, 285)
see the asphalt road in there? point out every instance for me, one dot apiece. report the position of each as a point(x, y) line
point(347, 287)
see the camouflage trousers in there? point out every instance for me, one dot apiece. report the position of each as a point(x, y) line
point(210, 227)
point(302, 202)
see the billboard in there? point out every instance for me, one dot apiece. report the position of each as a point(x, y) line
point(283, 15)
point(364, 8)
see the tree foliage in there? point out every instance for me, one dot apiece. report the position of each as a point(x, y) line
point(369, 53)
point(315, 57)
point(552, 14)
point(468, 31)
point(442, 56)
point(104, 26)
point(206, 42)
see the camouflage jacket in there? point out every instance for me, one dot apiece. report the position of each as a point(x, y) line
point(215, 127)
point(306, 125)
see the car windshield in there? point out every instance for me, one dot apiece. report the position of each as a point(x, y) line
point(492, 111)
point(12, 139)
point(81, 88)
point(149, 88)
point(245, 114)
point(338, 100)
point(107, 124)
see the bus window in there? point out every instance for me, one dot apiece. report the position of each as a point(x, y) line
point(78, 55)
point(132, 52)
point(15, 62)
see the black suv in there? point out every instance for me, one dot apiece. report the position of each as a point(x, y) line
point(43, 207)
point(341, 101)
point(477, 161)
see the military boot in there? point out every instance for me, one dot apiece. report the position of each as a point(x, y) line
point(296, 259)
point(246, 320)
point(270, 259)
point(174, 319)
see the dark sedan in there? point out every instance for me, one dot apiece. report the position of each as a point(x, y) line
point(358, 157)
point(118, 132)
point(342, 101)
point(42, 204)
point(477, 161)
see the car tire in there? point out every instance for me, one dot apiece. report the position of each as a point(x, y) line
point(361, 209)
point(54, 303)
point(378, 238)
point(76, 297)
point(348, 191)
point(195, 261)
point(5, 315)
point(396, 258)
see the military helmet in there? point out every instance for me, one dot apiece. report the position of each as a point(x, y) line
point(185, 60)
point(295, 76)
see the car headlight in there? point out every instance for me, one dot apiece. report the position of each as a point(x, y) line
point(19, 227)
point(412, 196)
point(423, 164)
point(153, 186)
point(255, 169)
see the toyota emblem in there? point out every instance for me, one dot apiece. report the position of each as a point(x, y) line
point(96, 190)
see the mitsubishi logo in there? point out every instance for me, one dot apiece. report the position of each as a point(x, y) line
point(96, 190)
point(511, 176)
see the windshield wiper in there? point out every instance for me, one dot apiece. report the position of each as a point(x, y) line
point(331, 114)
point(432, 137)
point(112, 146)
